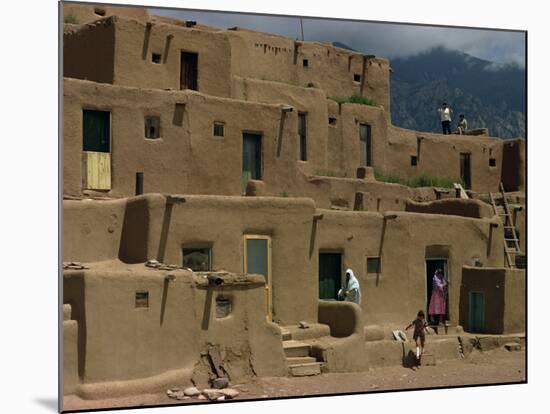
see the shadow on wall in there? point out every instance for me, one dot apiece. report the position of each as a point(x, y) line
point(134, 238)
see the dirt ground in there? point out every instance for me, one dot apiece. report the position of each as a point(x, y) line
point(492, 367)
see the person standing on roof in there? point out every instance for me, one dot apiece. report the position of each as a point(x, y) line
point(351, 292)
point(445, 113)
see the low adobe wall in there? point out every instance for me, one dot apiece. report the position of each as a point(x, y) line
point(455, 207)
point(125, 347)
point(504, 292)
point(92, 230)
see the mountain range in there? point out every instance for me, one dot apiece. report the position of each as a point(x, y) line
point(489, 95)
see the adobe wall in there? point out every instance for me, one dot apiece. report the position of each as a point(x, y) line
point(84, 13)
point(312, 101)
point(396, 294)
point(276, 58)
point(146, 342)
point(458, 207)
point(289, 223)
point(92, 230)
point(504, 291)
point(136, 42)
point(89, 51)
point(187, 158)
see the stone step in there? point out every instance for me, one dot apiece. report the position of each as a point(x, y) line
point(428, 358)
point(300, 360)
point(302, 370)
point(294, 348)
point(447, 329)
point(67, 311)
point(512, 346)
point(286, 334)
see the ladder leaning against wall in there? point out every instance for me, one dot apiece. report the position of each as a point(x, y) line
point(502, 209)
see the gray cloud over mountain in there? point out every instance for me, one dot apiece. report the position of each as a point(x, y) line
point(389, 40)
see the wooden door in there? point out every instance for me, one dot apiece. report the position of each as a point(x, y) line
point(365, 142)
point(96, 146)
point(257, 259)
point(465, 170)
point(251, 158)
point(189, 71)
point(330, 275)
point(476, 312)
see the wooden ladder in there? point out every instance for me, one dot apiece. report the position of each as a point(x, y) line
point(511, 243)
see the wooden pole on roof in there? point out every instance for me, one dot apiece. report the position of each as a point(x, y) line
point(302, 27)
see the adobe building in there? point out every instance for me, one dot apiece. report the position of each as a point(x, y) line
point(215, 190)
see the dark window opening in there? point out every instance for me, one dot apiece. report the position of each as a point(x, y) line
point(99, 12)
point(356, 77)
point(155, 57)
point(305, 63)
point(223, 307)
point(365, 145)
point(465, 170)
point(142, 299)
point(302, 133)
point(152, 127)
point(373, 265)
point(252, 158)
point(492, 162)
point(96, 131)
point(197, 258)
point(219, 129)
point(189, 70)
point(414, 160)
point(332, 120)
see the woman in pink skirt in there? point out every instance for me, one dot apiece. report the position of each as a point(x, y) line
point(438, 301)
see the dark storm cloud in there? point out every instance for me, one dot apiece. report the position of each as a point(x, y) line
point(382, 39)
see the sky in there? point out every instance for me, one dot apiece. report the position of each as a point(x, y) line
point(382, 39)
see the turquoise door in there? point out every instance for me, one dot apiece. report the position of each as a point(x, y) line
point(257, 259)
point(477, 312)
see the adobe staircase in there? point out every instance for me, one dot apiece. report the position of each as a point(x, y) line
point(298, 359)
point(511, 243)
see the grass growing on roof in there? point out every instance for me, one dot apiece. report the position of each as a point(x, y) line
point(355, 98)
point(418, 181)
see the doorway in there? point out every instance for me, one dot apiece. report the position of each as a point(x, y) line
point(466, 170)
point(257, 259)
point(252, 158)
point(365, 145)
point(189, 70)
point(432, 264)
point(96, 147)
point(510, 166)
point(476, 312)
point(330, 275)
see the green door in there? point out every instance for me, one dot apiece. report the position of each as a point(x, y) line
point(252, 158)
point(330, 271)
point(477, 312)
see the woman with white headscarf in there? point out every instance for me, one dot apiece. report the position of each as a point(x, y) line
point(351, 292)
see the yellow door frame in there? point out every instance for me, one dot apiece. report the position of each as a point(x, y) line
point(269, 284)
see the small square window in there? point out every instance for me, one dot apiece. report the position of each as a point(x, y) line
point(373, 265)
point(152, 127)
point(332, 120)
point(223, 307)
point(197, 258)
point(305, 62)
point(142, 299)
point(414, 160)
point(356, 77)
point(155, 57)
point(219, 129)
point(492, 162)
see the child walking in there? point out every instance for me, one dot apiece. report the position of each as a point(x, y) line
point(419, 335)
